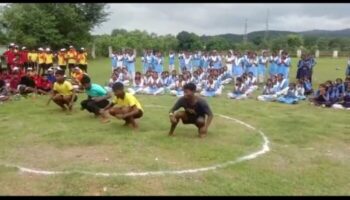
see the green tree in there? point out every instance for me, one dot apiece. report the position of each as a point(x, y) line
point(53, 24)
point(189, 41)
point(294, 42)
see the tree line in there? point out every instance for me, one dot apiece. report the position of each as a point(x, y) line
point(58, 25)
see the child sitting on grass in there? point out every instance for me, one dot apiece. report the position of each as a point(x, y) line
point(239, 90)
point(321, 97)
point(344, 102)
point(4, 93)
point(268, 93)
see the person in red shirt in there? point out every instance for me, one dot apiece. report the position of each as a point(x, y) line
point(14, 80)
point(9, 56)
point(23, 58)
point(44, 86)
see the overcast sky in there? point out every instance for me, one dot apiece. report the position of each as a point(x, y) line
point(220, 18)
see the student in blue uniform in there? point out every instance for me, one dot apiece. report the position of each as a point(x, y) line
point(284, 64)
point(215, 60)
point(273, 70)
point(182, 65)
point(237, 66)
point(211, 88)
point(178, 87)
point(196, 60)
point(130, 59)
point(307, 86)
point(340, 86)
point(291, 96)
point(204, 62)
point(347, 72)
point(171, 61)
point(304, 68)
point(268, 93)
point(148, 61)
point(313, 63)
point(188, 62)
point(262, 65)
point(321, 97)
point(239, 91)
point(158, 63)
point(114, 60)
point(155, 85)
point(138, 86)
point(344, 103)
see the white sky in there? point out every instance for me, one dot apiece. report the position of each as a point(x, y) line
point(221, 18)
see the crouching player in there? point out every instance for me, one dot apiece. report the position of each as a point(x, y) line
point(63, 92)
point(196, 110)
point(97, 98)
point(128, 107)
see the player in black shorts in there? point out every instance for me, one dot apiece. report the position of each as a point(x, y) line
point(197, 111)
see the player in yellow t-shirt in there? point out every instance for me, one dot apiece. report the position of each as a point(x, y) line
point(128, 107)
point(82, 59)
point(41, 60)
point(62, 59)
point(72, 58)
point(33, 59)
point(63, 92)
point(49, 59)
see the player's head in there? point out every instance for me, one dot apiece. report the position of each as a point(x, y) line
point(189, 90)
point(118, 89)
point(59, 76)
point(86, 82)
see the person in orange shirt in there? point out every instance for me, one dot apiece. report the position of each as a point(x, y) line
point(62, 59)
point(82, 59)
point(77, 75)
point(33, 59)
point(41, 60)
point(72, 58)
point(48, 60)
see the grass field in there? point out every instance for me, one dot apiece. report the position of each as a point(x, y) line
point(310, 152)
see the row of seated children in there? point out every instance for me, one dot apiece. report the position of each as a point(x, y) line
point(22, 83)
point(279, 89)
point(335, 94)
point(209, 83)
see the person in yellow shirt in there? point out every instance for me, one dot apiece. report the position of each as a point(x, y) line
point(41, 60)
point(128, 107)
point(48, 60)
point(33, 59)
point(62, 59)
point(72, 58)
point(82, 59)
point(63, 92)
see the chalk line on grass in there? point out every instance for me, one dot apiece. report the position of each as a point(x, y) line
point(264, 149)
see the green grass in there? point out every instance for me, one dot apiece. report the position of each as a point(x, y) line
point(309, 153)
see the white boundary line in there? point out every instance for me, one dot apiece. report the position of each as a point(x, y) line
point(264, 149)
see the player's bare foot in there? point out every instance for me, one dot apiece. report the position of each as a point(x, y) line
point(203, 135)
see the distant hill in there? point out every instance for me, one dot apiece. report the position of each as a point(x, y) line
point(274, 33)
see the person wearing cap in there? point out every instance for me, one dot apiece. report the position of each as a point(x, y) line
point(33, 59)
point(71, 56)
point(48, 60)
point(4, 92)
point(43, 85)
point(76, 76)
point(9, 56)
point(51, 75)
point(41, 60)
point(97, 98)
point(62, 59)
point(63, 92)
point(82, 59)
point(27, 83)
point(23, 58)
